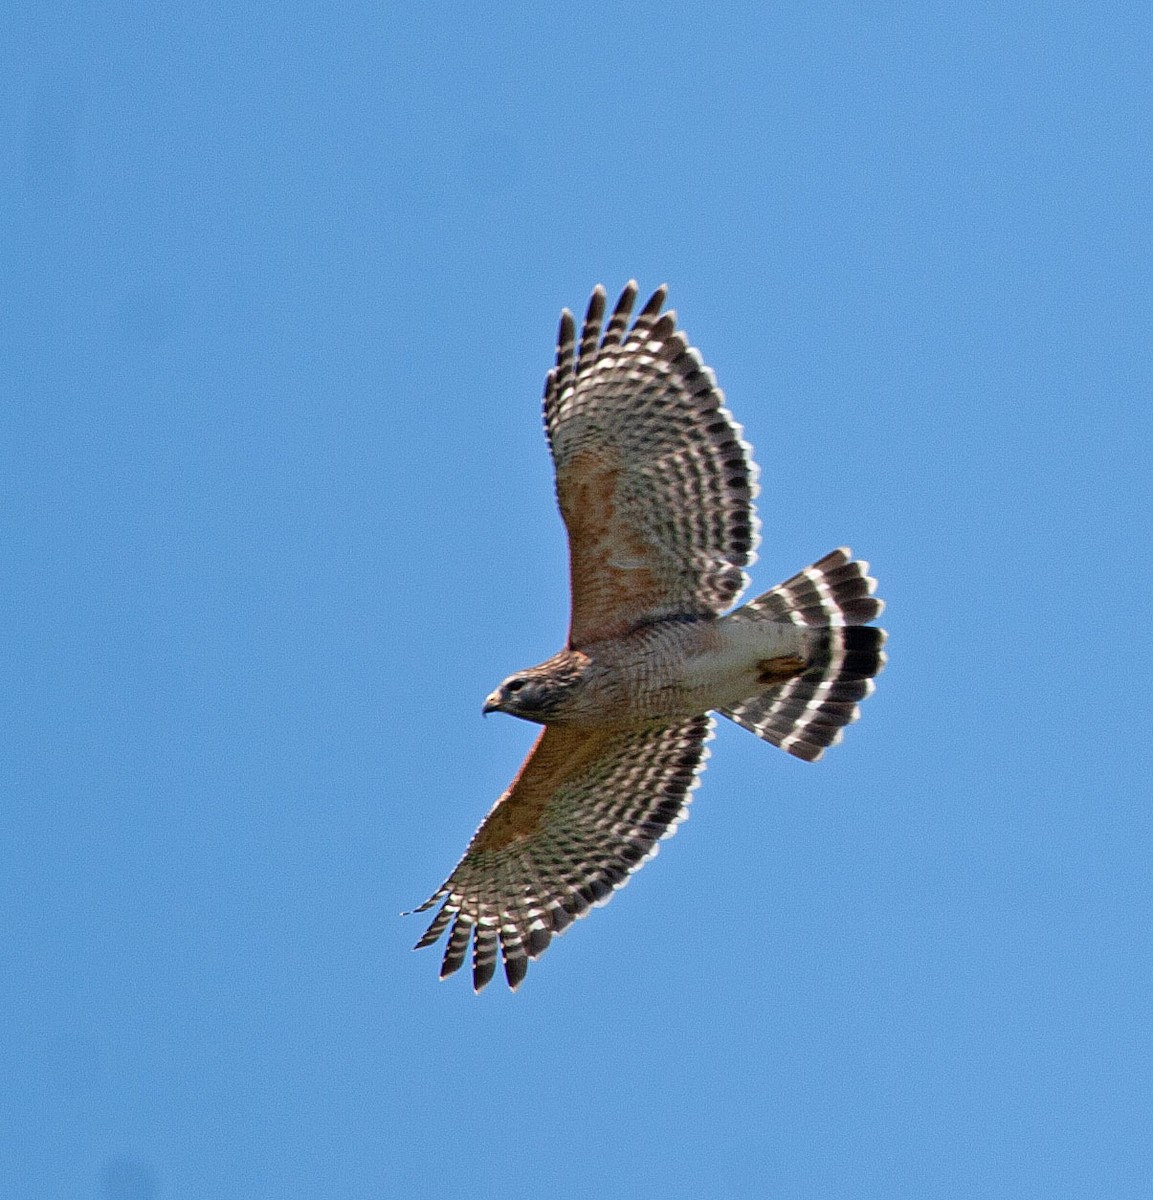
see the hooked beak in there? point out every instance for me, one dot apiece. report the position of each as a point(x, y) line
point(491, 704)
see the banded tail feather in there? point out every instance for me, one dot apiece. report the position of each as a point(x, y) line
point(808, 713)
point(836, 590)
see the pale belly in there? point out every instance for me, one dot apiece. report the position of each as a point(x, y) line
point(675, 670)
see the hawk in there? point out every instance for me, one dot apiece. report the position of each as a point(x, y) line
point(656, 488)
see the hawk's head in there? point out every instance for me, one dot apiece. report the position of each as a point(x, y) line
point(543, 694)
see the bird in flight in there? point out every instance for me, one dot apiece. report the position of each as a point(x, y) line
point(656, 488)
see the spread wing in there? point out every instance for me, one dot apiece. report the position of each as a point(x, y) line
point(654, 482)
point(586, 809)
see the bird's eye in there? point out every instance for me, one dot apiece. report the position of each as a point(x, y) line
point(514, 685)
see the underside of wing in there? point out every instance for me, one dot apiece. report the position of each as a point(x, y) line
point(654, 481)
point(586, 809)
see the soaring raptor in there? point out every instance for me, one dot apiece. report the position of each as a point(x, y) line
point(656, 489)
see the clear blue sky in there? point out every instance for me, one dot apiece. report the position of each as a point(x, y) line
point(281, 283)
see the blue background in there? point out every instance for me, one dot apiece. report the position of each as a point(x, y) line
point(282, 283)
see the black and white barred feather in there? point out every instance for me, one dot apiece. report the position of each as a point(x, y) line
point(601, 824)
point(642, 403)
point(808, 713)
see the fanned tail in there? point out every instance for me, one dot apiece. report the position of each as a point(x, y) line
point(836, 590)
point(807, 713)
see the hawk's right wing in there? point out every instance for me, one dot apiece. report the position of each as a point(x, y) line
point(586, 809)
point(654, 482)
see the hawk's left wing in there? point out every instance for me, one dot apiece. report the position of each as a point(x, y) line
point(586, 809)
point(654, 480)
